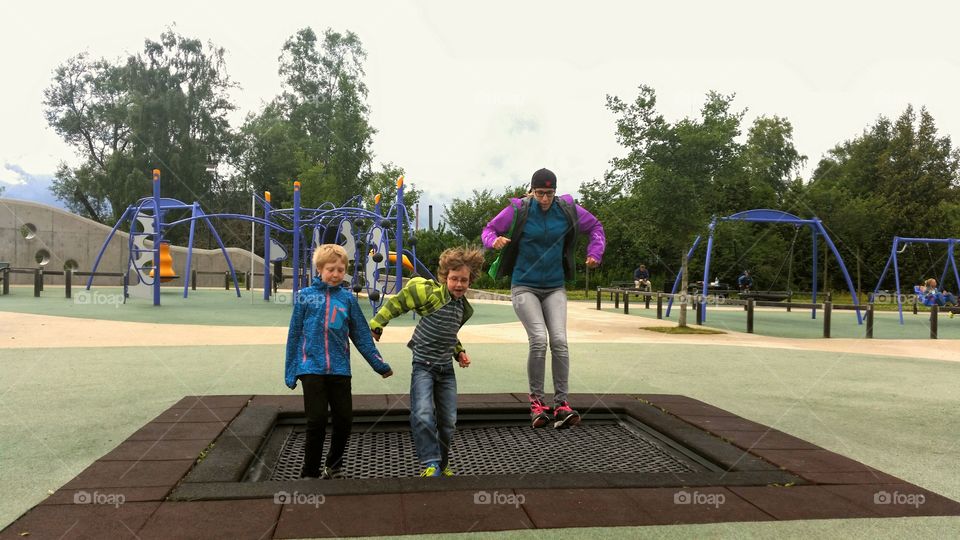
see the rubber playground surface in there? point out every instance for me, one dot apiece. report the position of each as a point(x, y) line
point(77, 379)
point(799, 324)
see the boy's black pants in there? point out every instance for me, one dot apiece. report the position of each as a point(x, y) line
point(319, 391)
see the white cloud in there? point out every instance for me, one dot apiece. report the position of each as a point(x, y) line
point(10, 175)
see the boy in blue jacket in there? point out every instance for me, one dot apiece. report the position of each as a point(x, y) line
point(325, 317)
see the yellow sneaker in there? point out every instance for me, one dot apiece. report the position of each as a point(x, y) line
point(432, 469)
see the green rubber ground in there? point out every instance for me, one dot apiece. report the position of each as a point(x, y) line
point(201, 307)
point(60, 409)
point(798, 324)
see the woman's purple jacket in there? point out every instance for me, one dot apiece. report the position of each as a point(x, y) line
point(587, 223)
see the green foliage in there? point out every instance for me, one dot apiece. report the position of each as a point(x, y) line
point(656, 199)
point(163, 108)
point(430, 244)
point(468, 217)
point(384, 183)
point(317, 131)
point(266, 155)
point(895, 179)
point(324, 101)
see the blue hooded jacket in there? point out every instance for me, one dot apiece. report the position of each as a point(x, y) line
point(324, 321)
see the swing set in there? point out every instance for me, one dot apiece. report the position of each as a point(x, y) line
point(778, 217)
point(899, 245)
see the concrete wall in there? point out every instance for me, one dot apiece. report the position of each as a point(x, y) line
point(69, 237)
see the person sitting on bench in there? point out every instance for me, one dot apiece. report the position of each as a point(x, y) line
point(641, 278)
point(745, 281)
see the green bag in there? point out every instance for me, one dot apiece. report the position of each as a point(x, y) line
point(495, 265)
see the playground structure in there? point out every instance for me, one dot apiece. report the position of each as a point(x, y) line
point(899, 245)
point(767, 216)
point(372, 241)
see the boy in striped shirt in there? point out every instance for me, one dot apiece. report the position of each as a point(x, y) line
point(433, 383)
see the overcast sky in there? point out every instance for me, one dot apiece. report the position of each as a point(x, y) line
point(472, 95)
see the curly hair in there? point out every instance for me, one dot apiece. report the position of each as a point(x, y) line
point(458, 257)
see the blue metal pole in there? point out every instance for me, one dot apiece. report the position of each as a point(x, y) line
point(296, 238)
point(267, 286)
point(706, 274)
point(896, 274)
point(398, 233)
point(193, 226)
point(157, 236)
point(843, 268)
point(223, 249)
point(814, 300)
point(951, 252)
point(103, 249)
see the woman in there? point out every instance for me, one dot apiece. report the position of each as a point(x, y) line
point(538, 256)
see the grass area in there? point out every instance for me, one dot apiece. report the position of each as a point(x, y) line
point(201, 307)
point(681, 330)
point(799, 324)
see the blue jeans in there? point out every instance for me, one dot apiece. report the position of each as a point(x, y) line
point(946, 299)
point(433, 410)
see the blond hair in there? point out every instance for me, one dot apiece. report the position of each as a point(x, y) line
point(458, 257)
point(328, 253)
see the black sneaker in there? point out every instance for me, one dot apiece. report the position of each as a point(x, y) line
point(309, 473)
point(564, 416)
point(539, 413)
point(332, 473)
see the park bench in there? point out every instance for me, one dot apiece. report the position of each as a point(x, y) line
point(773, 296)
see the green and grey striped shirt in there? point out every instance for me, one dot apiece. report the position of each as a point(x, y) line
point(435, 337)
point(425, 297)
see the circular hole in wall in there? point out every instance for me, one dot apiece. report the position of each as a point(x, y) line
point(42, 257)
point(71, 265)
point(28, 230)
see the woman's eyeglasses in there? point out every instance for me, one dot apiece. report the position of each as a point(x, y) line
point(541, 193)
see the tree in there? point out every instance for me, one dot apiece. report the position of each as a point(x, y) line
point(674, 177)
point(430, 244)
point(770, 162)
point(324, 103)
point(898, 178)
point(384, 183)
point(468, 217)
point(162, 108)
point(687, 165)
point(267, 156)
